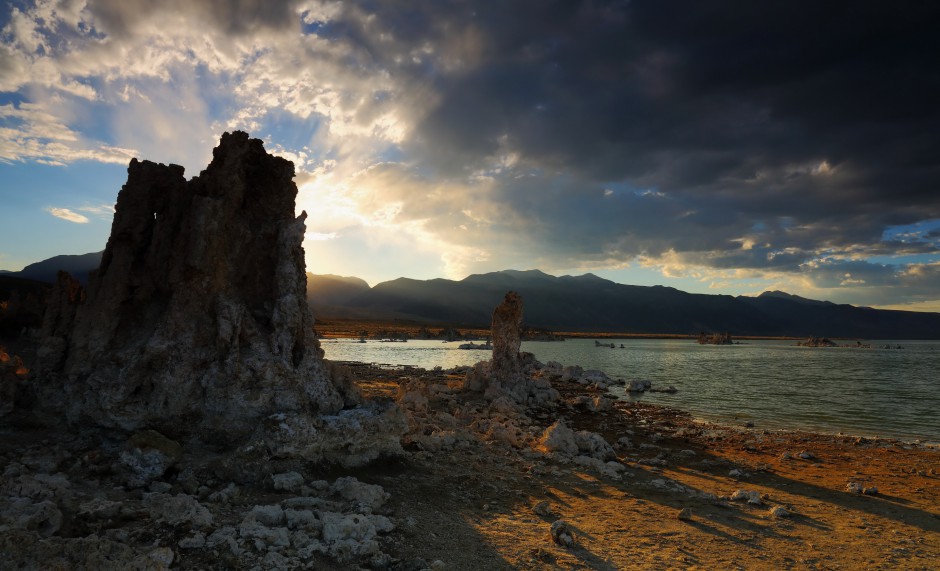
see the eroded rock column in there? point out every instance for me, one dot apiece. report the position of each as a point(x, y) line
point(506, 330)
point(196, 321)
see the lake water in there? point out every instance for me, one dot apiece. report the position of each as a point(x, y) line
point(774, 384)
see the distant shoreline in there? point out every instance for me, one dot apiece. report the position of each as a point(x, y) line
point(343, 328)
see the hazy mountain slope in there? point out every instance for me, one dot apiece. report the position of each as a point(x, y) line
point(590, 303)
point(329, 289)
point(46, 270)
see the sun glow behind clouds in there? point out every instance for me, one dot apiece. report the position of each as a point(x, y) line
point(443, 142)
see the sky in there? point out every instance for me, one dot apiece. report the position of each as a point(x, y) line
point(716, 147)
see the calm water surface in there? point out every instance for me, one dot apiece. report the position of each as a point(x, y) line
point(883, 392)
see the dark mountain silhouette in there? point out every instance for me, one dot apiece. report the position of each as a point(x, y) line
point(590, 303)
point(578, 303)
point(46, 270)
point(329, 289)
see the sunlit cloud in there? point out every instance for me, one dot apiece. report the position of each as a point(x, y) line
point(102, 211)
point(31, 131)
point(320, 236)
point(69, 215)
point(595, 142)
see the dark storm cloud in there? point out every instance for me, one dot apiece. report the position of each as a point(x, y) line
point(807, 125)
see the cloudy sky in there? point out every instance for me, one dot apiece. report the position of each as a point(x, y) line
point(717, 147)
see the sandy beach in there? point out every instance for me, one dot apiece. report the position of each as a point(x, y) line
point(486, 496)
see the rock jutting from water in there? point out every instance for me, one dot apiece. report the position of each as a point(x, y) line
point(196, 322)
point(507, 337)
point(817, 342)
point(508, 373)
point(715, 338)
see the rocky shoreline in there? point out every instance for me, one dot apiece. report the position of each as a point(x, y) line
point(479, 484)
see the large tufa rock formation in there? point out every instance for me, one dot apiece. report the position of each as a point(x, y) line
point(196, 321)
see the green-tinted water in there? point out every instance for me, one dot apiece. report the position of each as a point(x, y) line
point(877, 391)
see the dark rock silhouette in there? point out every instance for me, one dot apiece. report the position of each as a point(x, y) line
point(22, 305)
point(196, 321)
point(817, 342)
point(715, 338)
point(12, 376)
point(506, 330)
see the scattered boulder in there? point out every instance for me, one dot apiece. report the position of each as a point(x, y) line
point(148, 455)
point(858, 488)
point(593, 444)
point(21, 513)
point(350, 438)
point(288, 481)
point(685, 514)
point(561, 533)
point(543, 509)
point(365, 497)
point(639, 385)
point(177, 510)
point(571, 373)
point(349, 536)
point(559, 438)
point(779, 512)
point(750, 496)
point(195, 541)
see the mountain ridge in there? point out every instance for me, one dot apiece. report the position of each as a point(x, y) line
point(585, 303)
point(79, 265)
point(590, 303)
